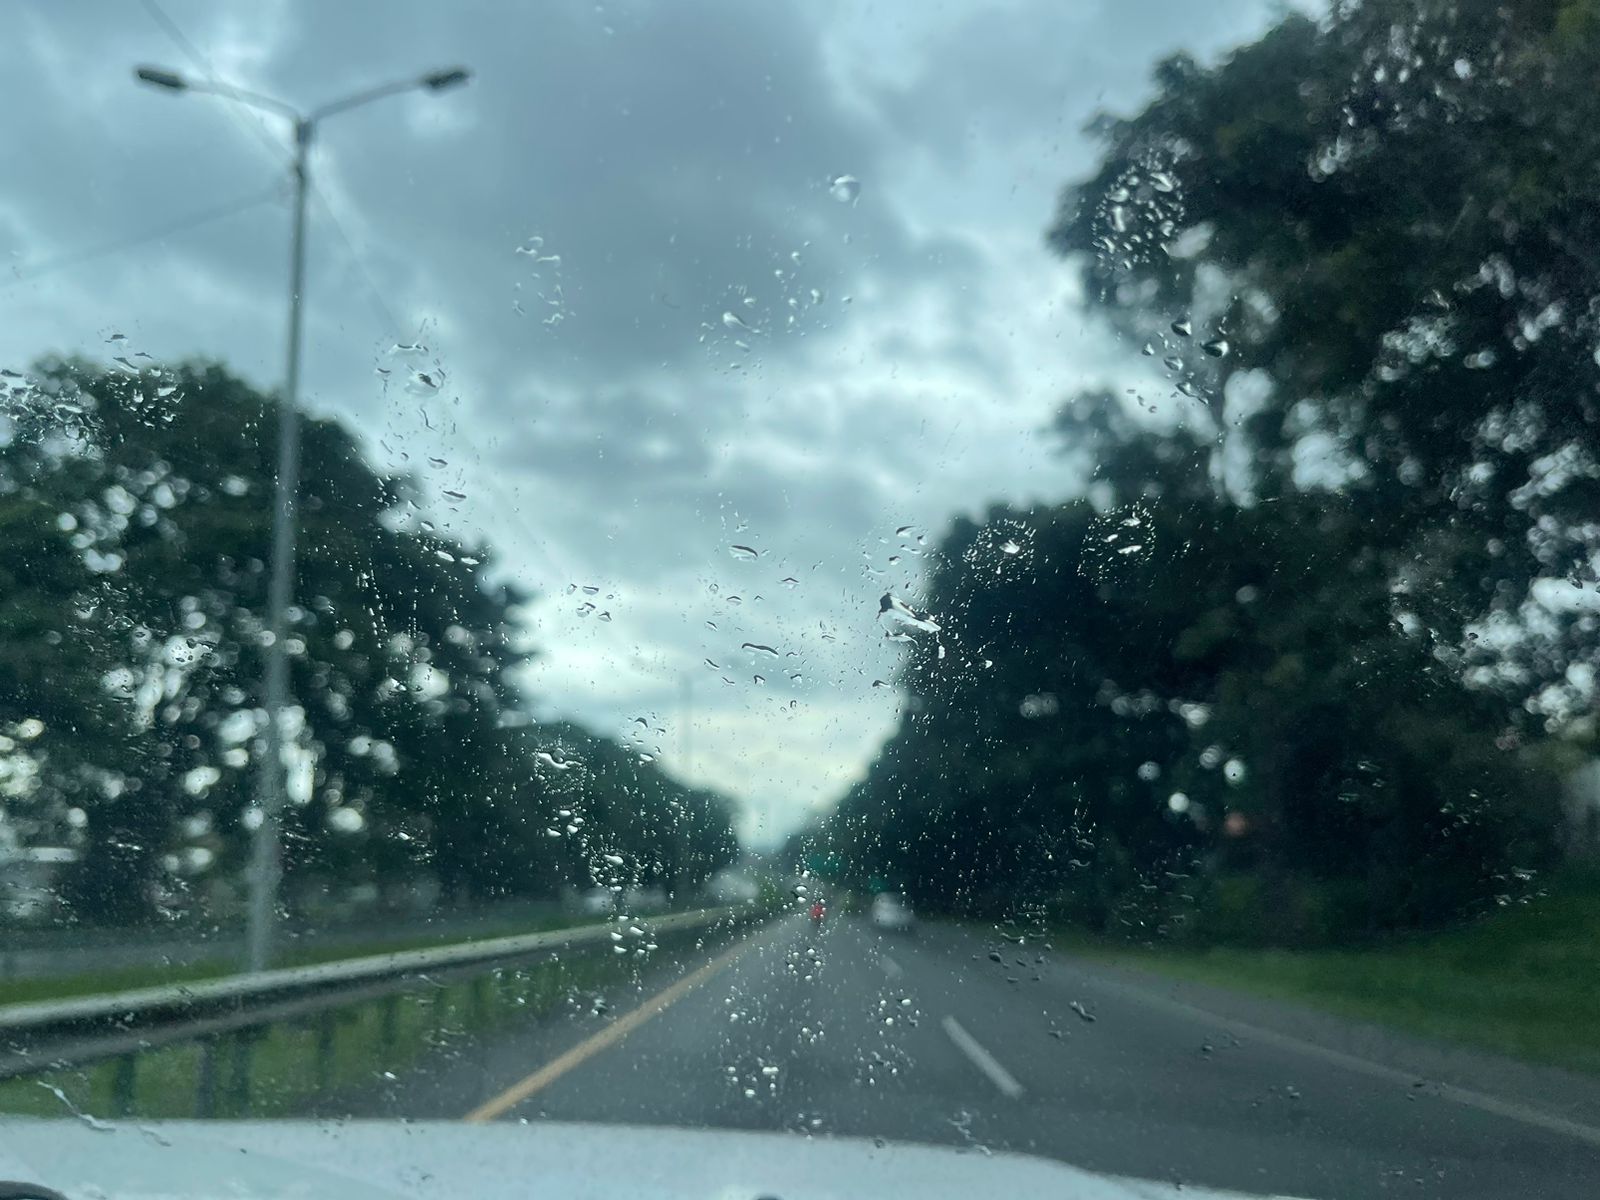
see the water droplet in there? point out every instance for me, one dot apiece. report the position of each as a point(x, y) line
point(616, 860)
point(789, 581)
point(1083, 1013)
point(733, 320)
point(92, 1122)
point(744, 553)
point(844, 188)
point(902, 614)
point(545, 758)
point(425, 383)
point(1182, 327)
point(758, 647)
point(1010, 547)
point(1217, 347)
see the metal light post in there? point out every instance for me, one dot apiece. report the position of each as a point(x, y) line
point(265, 866)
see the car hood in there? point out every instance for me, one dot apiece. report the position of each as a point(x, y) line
point(366, 1160)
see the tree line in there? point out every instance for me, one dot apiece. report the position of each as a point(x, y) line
point(135, 513)
point(1309, 653)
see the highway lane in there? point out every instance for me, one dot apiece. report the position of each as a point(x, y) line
point(929, 1038)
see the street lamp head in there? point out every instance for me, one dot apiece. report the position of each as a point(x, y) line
point(438, 81)
point(155, 76)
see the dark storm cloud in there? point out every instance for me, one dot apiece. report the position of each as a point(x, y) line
point(673, 163)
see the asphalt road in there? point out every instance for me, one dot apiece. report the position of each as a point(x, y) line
point(928, 1038)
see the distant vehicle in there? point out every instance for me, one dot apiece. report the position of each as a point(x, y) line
point(731, 886)
point(599, 902)
point(890, 912)
point(818, 911)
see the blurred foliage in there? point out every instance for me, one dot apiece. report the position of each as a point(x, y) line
point(1298, 665)
point(135, 508)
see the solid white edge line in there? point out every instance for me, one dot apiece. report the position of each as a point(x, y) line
point(1467, 1097)
point(981, 1058)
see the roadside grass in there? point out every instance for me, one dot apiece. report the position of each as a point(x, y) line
point(290, 1064)
point(1523, 981)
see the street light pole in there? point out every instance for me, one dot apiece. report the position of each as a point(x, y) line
point(265, 869)
point(265, 855)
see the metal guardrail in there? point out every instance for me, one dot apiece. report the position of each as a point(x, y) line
point(33, 952)
point(39, 1037)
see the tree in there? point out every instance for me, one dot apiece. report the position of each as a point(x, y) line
point(1387, 218)
point(1171, 711)
point(1361, 250)
point(135, 510)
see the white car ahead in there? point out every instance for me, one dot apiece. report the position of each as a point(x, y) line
point(892, 913)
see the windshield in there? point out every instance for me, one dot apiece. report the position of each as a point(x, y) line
point(1011, 580)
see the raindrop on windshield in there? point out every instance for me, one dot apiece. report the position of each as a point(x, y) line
point(844, 188)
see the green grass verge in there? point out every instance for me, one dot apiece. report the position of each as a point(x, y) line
point(365, 1045)
point(1524, 981)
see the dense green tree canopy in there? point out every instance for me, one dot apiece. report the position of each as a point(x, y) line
point(1388, 218)
point(135, 509)
point(1286, 669)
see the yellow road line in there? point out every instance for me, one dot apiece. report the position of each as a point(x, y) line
point(610, 1035)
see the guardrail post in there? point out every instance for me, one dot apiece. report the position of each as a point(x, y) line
point(205, 1088)
point(123, 1083)
point(441, 997)
point(244, 1045)
point(327, 1027)
point(389, 1022)
point(478, 989)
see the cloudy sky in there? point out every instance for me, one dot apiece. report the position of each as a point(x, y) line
point(663, 328)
